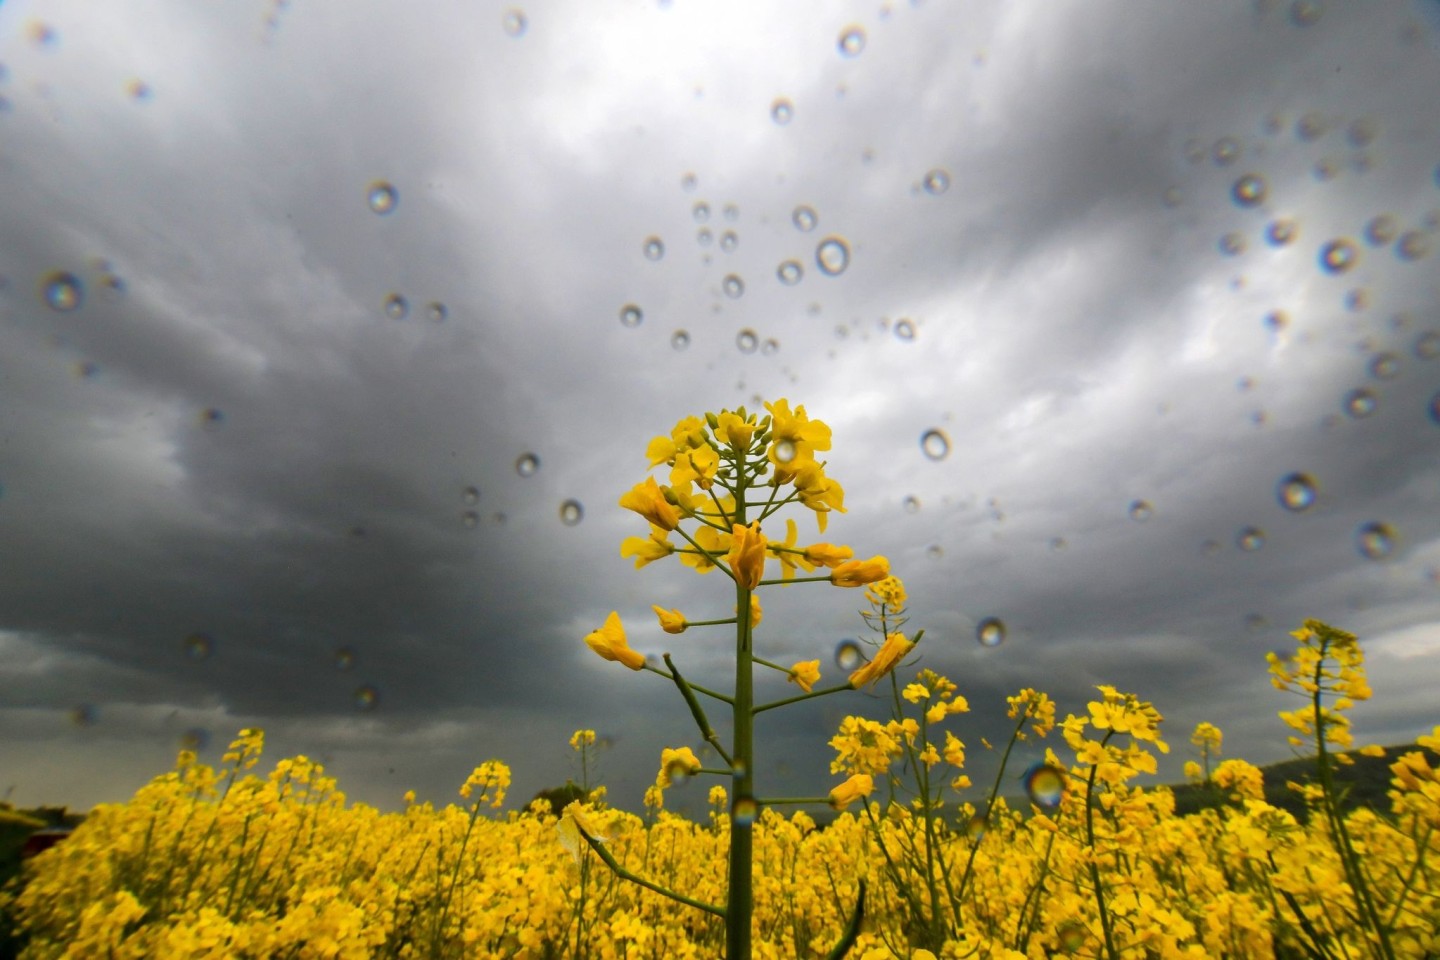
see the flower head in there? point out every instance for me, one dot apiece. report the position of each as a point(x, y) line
point(857, 573)
point(860, 785)
point(747, 554)
point(647, 500)
point(806, 674)
point(671, 621)
point(609, 641)
point(886, 658)
point(648, 549)
point(676, 764)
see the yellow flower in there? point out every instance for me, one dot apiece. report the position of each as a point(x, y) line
point(1372, 750)
point(609, 642)
point(747, 555)
point(915, 692)
point(713, 542)
point(648, 549)
point(647, 500)
point(886, 658)
point(827, 554)
point(857, 573)
point(581, 739)
point(695, 466)
point(818, 492)
point(757, 613)
point(860, 785)
point(806, 674)
point(784, 552)
point(572, 826)
point(735, 430)
point(493, 779)
point(676, 764)
point(671, 621)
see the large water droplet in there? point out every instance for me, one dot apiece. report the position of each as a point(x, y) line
point(527, 464)
point(1250, 539)
point(654, 248)
point(782, 111)
point(679, 340)
point(785, 451)
point(852, 41)
point(1141, 510)
point(397, 307)
point(1375, 540)
point(747, 340)
point(804, 219)
point(1338, 255)
point(847, 655)
point(833, 255)
point(790, 272)
point(1249, 190)
point(936, 182)
point(990, 632)
point(631, 315)
point(1360, 403)
point(1296, 492)
point(744, 812)
point(571, 512)
point(382, 197)
point(934, 444)
point(733, 286)
point(62, 291)
point(1281, 232)
point(678, 772)
point(1044, 784)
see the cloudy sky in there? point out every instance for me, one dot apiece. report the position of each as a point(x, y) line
point(292, 294)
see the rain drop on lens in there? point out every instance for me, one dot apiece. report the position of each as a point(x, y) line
point(1375, 540)
point(1381, 230)
point(514, 22)
point(344, 658)
point(1232, 244)
point(934, 444)
point(211, 418)
point(1071, 935)
point(851, 42)
point(1385, 366)
point(437, 312)
point(1427, 345)
point(1141, 510)
point(804, 219)
point(744, 811)
point(847, 655)
point(679, 340)
point(733, 286)
point(1304, 13)
point(1338, 256)
point(62, 291)
point(747, 340)
point(782, 111)
point(654, 248)
point(704, 237)
point(790, 272)
point(832, 256)
point(990, 632)
point(769, 347)
point(199, 646)
point(936, 182)
point(631, 315)
point(729, 240)
point(1249, 190)
point(784, 451)
point(904, 330)
point(470, 519)
point(678, 772)
point(470, 495)
point(1296, 492)
point(1045, 785)
point(1281, 232)
point(1250, 539)
point(1413, 245)
point(397, 307)
point(382, 197)
point(367, 697)
point(571, 512)
point(527, 464)
point(1360, 403)
point(1226, 151)
point(975, 827)
point(911, 504)
point(84, 715)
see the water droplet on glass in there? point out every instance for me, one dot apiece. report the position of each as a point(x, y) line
point(833, 255)
point(975, 826)
point(1044, 784)
point(471, 495)
point(990, 632)
point(790, 272)
point(1141, 510)
point(1326, 169)
point(747, 340)
point(1427, 345)
point(784, 451)
point(904, 329)
point(732, 212)
point(470, 519)
point(199, 646)
point(1413, 245)
point(1362, 132)
point(1250, 539)
point(1249, 190)
point(571, 512)
point(935, 551)
point(1171, 197)
point(804, 219)
point(700, 211)
point(934, 444)
point(744, 812)
point(1277, 320)
point(847, 655)
point(1337, 256)
point(704, 237)
point(1375, 540)
point(397, 307)
point(344, 658)
point(911, 504)
point(382, 197)
point(1304, 13)
point(195, 739)
point(1381, 230)
point(679, 340)
point(1311, 127)
point(367, 697)
point(62, 291)
point(527, 464)
point(211, 418)
point(1360, 403)
point(678, 772)
point(631, 315)
point(782, 111)
point(733, 286)
point(1071, 935)
point(514, 22)
point(1297, 492)
point(689, 182)
point(84, 715)
point(1385, 366)
point(1435, 408)
point(852, 41)
point(1225, 152)
point(729, 240)
point(437, 312)
point(654, 248)
point(1232, 244)
point(936, 182)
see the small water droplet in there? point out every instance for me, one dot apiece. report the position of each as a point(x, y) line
point(1277, 320)
point(747, 340)
point(397, 307)
point(84, 715)
point(847, 655)
point(367, 697)
point(571, 512)
point(733, 286)
point(1249, 190)
point(437, 311)
point(770, 347)
point(1311, 127)
point(975, 826)
point(62, 291)
point(790, 272)
point(852, 41)
point(704, 238)
point(1385, 366)
point(1361, 403)
point(195, 739)
point(382, 197)
point(679, 340)
point(782, 111)
point(199, 646)
point(911, 504)
point(1362, 132)
point(1281, 232)
point(732, 212)
point(744, 812)
point(1413, 245)
point(1171, 197)
point(527, 464)
point(1225, 152)
point(1435, 408)
point(1232, 244)
point(471, 495)
point(1044, 784)
point(1375, 540)
point(1071, 935)
point(689, 182)
point(729, 240)
point(1326, 169)
point(1141, 510)
point(470, 519)
point(654, 248)
point(936, 182)
point(904, 329)
point(934, 444)
point(344, 658)
point(631, 315)
point(139, 90)
point(1381, 229)
point(833, 255)
point(700, 211)
point(1427, 345)
point(211, 418)
point(1338, 256)
point(1250, 539)
point(1297, 492)
point(935, 551)
point(1304, 13)
point(514, 22)
point(990, 632)
point(804, 219)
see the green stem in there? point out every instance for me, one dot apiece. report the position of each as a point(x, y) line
point(621, 872)
point(701, 721)
point(740, 904)
point(804, 696)
point(1095, 867)
point(693, 686)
